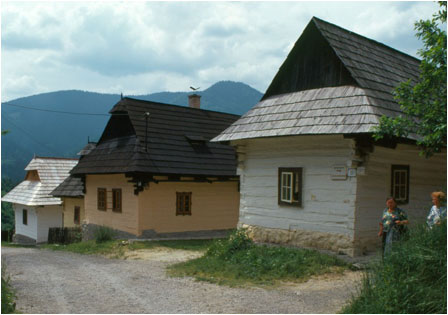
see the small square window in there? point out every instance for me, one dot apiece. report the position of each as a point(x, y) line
point(183, 203)
point(102, 199)
point(290, 186)
point(25, 217)
point(400, 183)
point(116, 200)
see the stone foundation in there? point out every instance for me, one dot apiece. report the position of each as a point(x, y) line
point(23, 240)
point(337, 243)
point(88, 232)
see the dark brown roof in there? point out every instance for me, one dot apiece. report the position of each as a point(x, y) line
point(70, 187)
point(332, 82)
point(177, 142)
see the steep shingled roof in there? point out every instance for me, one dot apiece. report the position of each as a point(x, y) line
point(332, 82)
point(177, 142)
point(51, 172)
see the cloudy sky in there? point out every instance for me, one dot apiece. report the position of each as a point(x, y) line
point(146, 47)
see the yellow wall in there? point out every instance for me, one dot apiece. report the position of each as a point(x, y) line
point(69, 210)
point(214, 206)
point(127, 220)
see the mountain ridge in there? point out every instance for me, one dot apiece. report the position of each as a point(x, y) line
point(43, 132)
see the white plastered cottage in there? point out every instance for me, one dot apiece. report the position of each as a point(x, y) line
point(310, 172)
point(34, 208)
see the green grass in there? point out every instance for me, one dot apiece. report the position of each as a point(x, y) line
point(196, 245)
point(7, 244)
point(239, 262)
point(412, 279)
point(110, 248)
point(8, 294)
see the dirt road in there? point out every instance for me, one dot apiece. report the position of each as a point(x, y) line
point(61, 282)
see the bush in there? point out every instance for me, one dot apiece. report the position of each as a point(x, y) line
point(8, 295)
point(411, 279)
point(238, 240)
point(103, 234)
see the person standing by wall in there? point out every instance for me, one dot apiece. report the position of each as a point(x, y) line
point(438, 211)
point(392, 223)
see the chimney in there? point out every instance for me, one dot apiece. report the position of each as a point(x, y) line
point(194, 100)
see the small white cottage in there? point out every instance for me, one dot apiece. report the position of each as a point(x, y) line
point(310, 172)
point(35, 209)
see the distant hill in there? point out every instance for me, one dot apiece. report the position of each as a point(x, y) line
point(46, 133)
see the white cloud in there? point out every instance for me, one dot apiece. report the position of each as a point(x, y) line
point(145, 47)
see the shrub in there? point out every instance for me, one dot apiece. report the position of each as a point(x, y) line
point(238, 240)
point(411, 279)
point(103, 234)
point(8, 295)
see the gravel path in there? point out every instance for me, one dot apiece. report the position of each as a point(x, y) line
point(62, 282)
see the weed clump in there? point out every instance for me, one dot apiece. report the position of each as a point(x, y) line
point(103, 234)
point(8, 294)
point(411, 279)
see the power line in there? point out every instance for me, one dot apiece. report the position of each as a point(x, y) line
point(58, 111)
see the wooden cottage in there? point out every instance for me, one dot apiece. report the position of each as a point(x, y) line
point(310, 172)
point(36, 210)
point(154, 172)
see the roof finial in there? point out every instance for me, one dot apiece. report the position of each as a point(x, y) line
point(121, 96)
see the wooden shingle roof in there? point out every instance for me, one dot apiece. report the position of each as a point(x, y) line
point(70, 187)
point(175, 141)
point(51, 172)
point(332, 82)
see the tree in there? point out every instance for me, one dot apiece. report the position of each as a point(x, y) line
point(424, 103)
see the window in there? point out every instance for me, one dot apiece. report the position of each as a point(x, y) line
point(400, 183)
point(290, 186)
point(77, 215)
point(116, 200)
point(25, 217)
point(183, 203)
point(102, 199)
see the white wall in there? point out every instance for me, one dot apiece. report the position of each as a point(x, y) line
point(328, 205)
point(30, 229)
point(426, 175)
point(47, 217)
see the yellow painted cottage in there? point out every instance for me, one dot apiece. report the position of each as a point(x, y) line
point(154, 173)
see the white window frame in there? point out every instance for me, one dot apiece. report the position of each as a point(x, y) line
point(284, 188)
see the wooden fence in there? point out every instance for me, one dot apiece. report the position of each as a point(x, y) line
point(64, 235)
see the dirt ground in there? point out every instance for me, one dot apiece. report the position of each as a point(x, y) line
point(61, 282)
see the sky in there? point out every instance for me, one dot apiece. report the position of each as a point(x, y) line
point(146, 47)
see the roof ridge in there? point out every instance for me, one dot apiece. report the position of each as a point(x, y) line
point(54, 158)
point(179, 106)
point(318, 20)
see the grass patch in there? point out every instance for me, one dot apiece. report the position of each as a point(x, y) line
point(411, 280)
point(8, 294)
point(238, 262)
point(196, 245)
point(113, 249)
point(7, 244)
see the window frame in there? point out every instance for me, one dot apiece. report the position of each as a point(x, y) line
point(102, 199)
point(295, 186)
point(397, 169)
point(117, 200)
point(77, 215)
point(25, 216)
point(181, 203)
